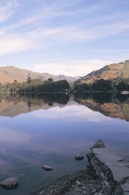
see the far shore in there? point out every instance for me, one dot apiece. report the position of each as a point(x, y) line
point(65, 92)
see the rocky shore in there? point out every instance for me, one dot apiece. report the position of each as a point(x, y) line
point(106, 174)
point(111, 167)
point(83, 182)
point(97, 179)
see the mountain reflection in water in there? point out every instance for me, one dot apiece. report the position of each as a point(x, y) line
point(12, 105)
point(51, 129)
point(114, 106)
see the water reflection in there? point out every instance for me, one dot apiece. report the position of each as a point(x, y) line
point(12, 105)
point(114, 106)
point(11, 188)
point(52, 129)
point(111, 105)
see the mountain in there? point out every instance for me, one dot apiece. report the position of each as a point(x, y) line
point(11, 73)
point(116, 71)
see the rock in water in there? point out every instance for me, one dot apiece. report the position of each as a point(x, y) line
point(9, 182)
point(99, 144)
point(79, 157)
point(47, 168)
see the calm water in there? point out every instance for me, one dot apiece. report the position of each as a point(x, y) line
point(50, 129)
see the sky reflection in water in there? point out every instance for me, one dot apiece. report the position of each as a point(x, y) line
point(53, 136)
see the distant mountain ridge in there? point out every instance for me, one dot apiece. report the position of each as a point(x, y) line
point(116, 71)
point(11, 73)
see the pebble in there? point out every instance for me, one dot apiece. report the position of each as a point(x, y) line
point(84, 182)
point(47, 167)
point(79, 157)
point(77, 182)
point(9, 182)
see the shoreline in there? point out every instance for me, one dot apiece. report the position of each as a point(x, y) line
point(107, 174)
point(79, 183)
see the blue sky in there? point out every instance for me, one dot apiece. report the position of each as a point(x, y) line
point(71, 37)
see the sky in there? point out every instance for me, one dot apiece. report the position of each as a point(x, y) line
point(71, 37)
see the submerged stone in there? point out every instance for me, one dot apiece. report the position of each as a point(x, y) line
point(47, 167)
point(79, 157)
point(9, 182)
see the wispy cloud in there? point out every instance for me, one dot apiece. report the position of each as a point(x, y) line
point(40, 26)
point(58, 35)
point(81, 67)
point(7, 10)
point(112, 51)
point(13, 43)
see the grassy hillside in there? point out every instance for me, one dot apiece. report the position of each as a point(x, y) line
point(11, 73)
point(113, 72)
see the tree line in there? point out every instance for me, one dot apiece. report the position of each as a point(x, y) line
point(35, 86)
point(102, 85)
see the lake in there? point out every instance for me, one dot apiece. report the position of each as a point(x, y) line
point(51, 128)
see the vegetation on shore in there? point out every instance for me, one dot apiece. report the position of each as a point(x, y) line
point(109, 78)
point(35, 86)
point(39, 86)
point(101, 85)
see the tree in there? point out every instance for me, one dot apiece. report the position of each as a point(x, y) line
point(29, 79)
point(102, 85)
point(121, 86)
point(15, 81)
point(62, 85)
point(85, 86)
point(50, 79)
point(80, 90)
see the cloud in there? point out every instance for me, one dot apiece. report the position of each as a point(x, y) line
point(61, 35)
point(113, 51)
point(7, 10)
point(13, 43)
point(71, 67)
point(39, 26)
point(46, 12)
point(39, 30)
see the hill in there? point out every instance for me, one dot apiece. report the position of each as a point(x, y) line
point(114, 72)
point(11, 73)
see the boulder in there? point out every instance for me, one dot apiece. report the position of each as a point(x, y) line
point(90, 153)
point(99, 144)
point(47, 167)
point(9, 182)
point(111, 167)
point(106, 155)
point(79, 157)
